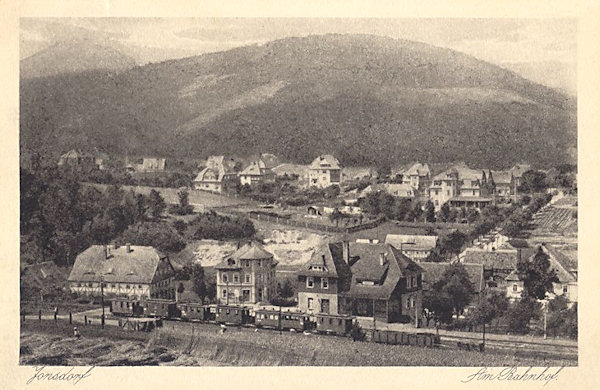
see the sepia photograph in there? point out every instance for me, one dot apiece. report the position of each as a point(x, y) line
point(298, 192)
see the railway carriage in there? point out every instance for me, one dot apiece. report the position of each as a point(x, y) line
point(334, 323)
point(232, 315)
point(163, 308)
point(196, 311)
point(269, 318)
point(125, 307)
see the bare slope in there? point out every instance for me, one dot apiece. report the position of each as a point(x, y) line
point(366, 99)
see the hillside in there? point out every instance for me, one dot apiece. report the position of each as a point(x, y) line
point(71, 57)
point(367, 99)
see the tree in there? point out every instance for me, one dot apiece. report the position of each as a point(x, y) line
point(287, 290)
point(415, 213)
point(429, 211)
point(157, 234)
point(537, 275)
point(437, 307)
point(455, 285)
point(521, 313)
point(453, 242)
point(493, 305)
point(156, 204)
point(444, 213)
point(533, 181)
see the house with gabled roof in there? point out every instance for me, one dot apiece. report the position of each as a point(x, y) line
point(218, 176)
point(416, 247)
point(433, 273)
point(132, 271)
point(247, 276)
point(566, 272)
point(363, 279)
point(259, 171)
point(417, 175)
point(324, 171)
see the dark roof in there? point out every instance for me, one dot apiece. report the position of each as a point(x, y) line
point(330, 257)
point(565, 269)
point(365, 266)
point(250, 251)
point(499, 259)
point(137, 266)
point(435, 271)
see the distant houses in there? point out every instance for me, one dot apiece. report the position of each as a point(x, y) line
point(418, 176)
point(324, 171)
point(81, 160)
point(259, 171)
point(135, 272)
point(398, 190)
point(416, 247)
point(218, 176)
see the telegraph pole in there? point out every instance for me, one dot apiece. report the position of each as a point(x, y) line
point(280, 318)
point(102, 297)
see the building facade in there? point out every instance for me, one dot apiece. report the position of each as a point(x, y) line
point(247, 276)
point(324, 171)
point(136, 272)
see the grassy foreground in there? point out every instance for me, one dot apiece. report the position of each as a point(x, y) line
point(179, 344)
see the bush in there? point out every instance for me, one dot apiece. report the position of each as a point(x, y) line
point(157, 234)
point(357, 332)
point(217, 227)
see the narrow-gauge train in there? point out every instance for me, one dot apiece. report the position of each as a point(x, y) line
point(233, 315)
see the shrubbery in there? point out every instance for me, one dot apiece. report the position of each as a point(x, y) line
point(218, 227)
point(157, 234)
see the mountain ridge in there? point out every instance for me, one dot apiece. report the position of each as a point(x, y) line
point(402, 100)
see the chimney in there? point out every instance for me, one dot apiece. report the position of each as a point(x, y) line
point(128, 247)
point(382, 258)
point(107, 251)
point(346, 251)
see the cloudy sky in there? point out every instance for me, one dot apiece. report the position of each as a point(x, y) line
point(543, 50)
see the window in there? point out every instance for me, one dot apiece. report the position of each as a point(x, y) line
point(113, 285)
point(413, 281)
point(247, 278)
point(128, 287)
point(565, 289)
point(514, 287)
point(324, 283)
point(139, 285)
point(247, 263)
point(310, 282)
point(412, 302)
point(236, 278)
point(224, 293)
point(78, 284)
point(260, 263)
point(224, 278)
point(408, 303)
point(309, 304)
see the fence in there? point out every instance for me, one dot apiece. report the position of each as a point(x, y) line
point(304, 224)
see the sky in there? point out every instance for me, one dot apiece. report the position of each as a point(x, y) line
point(543, 50)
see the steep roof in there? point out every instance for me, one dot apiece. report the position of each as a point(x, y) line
point(251, 170)
point(417, 169)
point(137, 266)
point(325, 161)
point(329, 256)
point(419, 242)
point(566, 269)
point(435, 271)
point(502, 177)
point(252, 250)
point(365, 266)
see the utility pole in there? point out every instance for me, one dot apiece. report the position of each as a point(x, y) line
point(374, 320)
point(280, 319)
point(102, 297)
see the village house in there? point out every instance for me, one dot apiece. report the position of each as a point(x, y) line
point(324, 171)
point(363, 279)
point(462, 186)
point(131, 271)
point(566, 272)
point(505, 185)
point(218, 176)
point(247, 276)
point(259, 171)
point(497, 264)
point(417, 175)
point(78, 159)
point(153, 164)
point(415, 247)
point(398, 190)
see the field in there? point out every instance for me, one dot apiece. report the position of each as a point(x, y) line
point(199, 199)
point(201, 344)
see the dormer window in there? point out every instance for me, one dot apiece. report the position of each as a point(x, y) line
point(367, 283)
point(230, 262)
